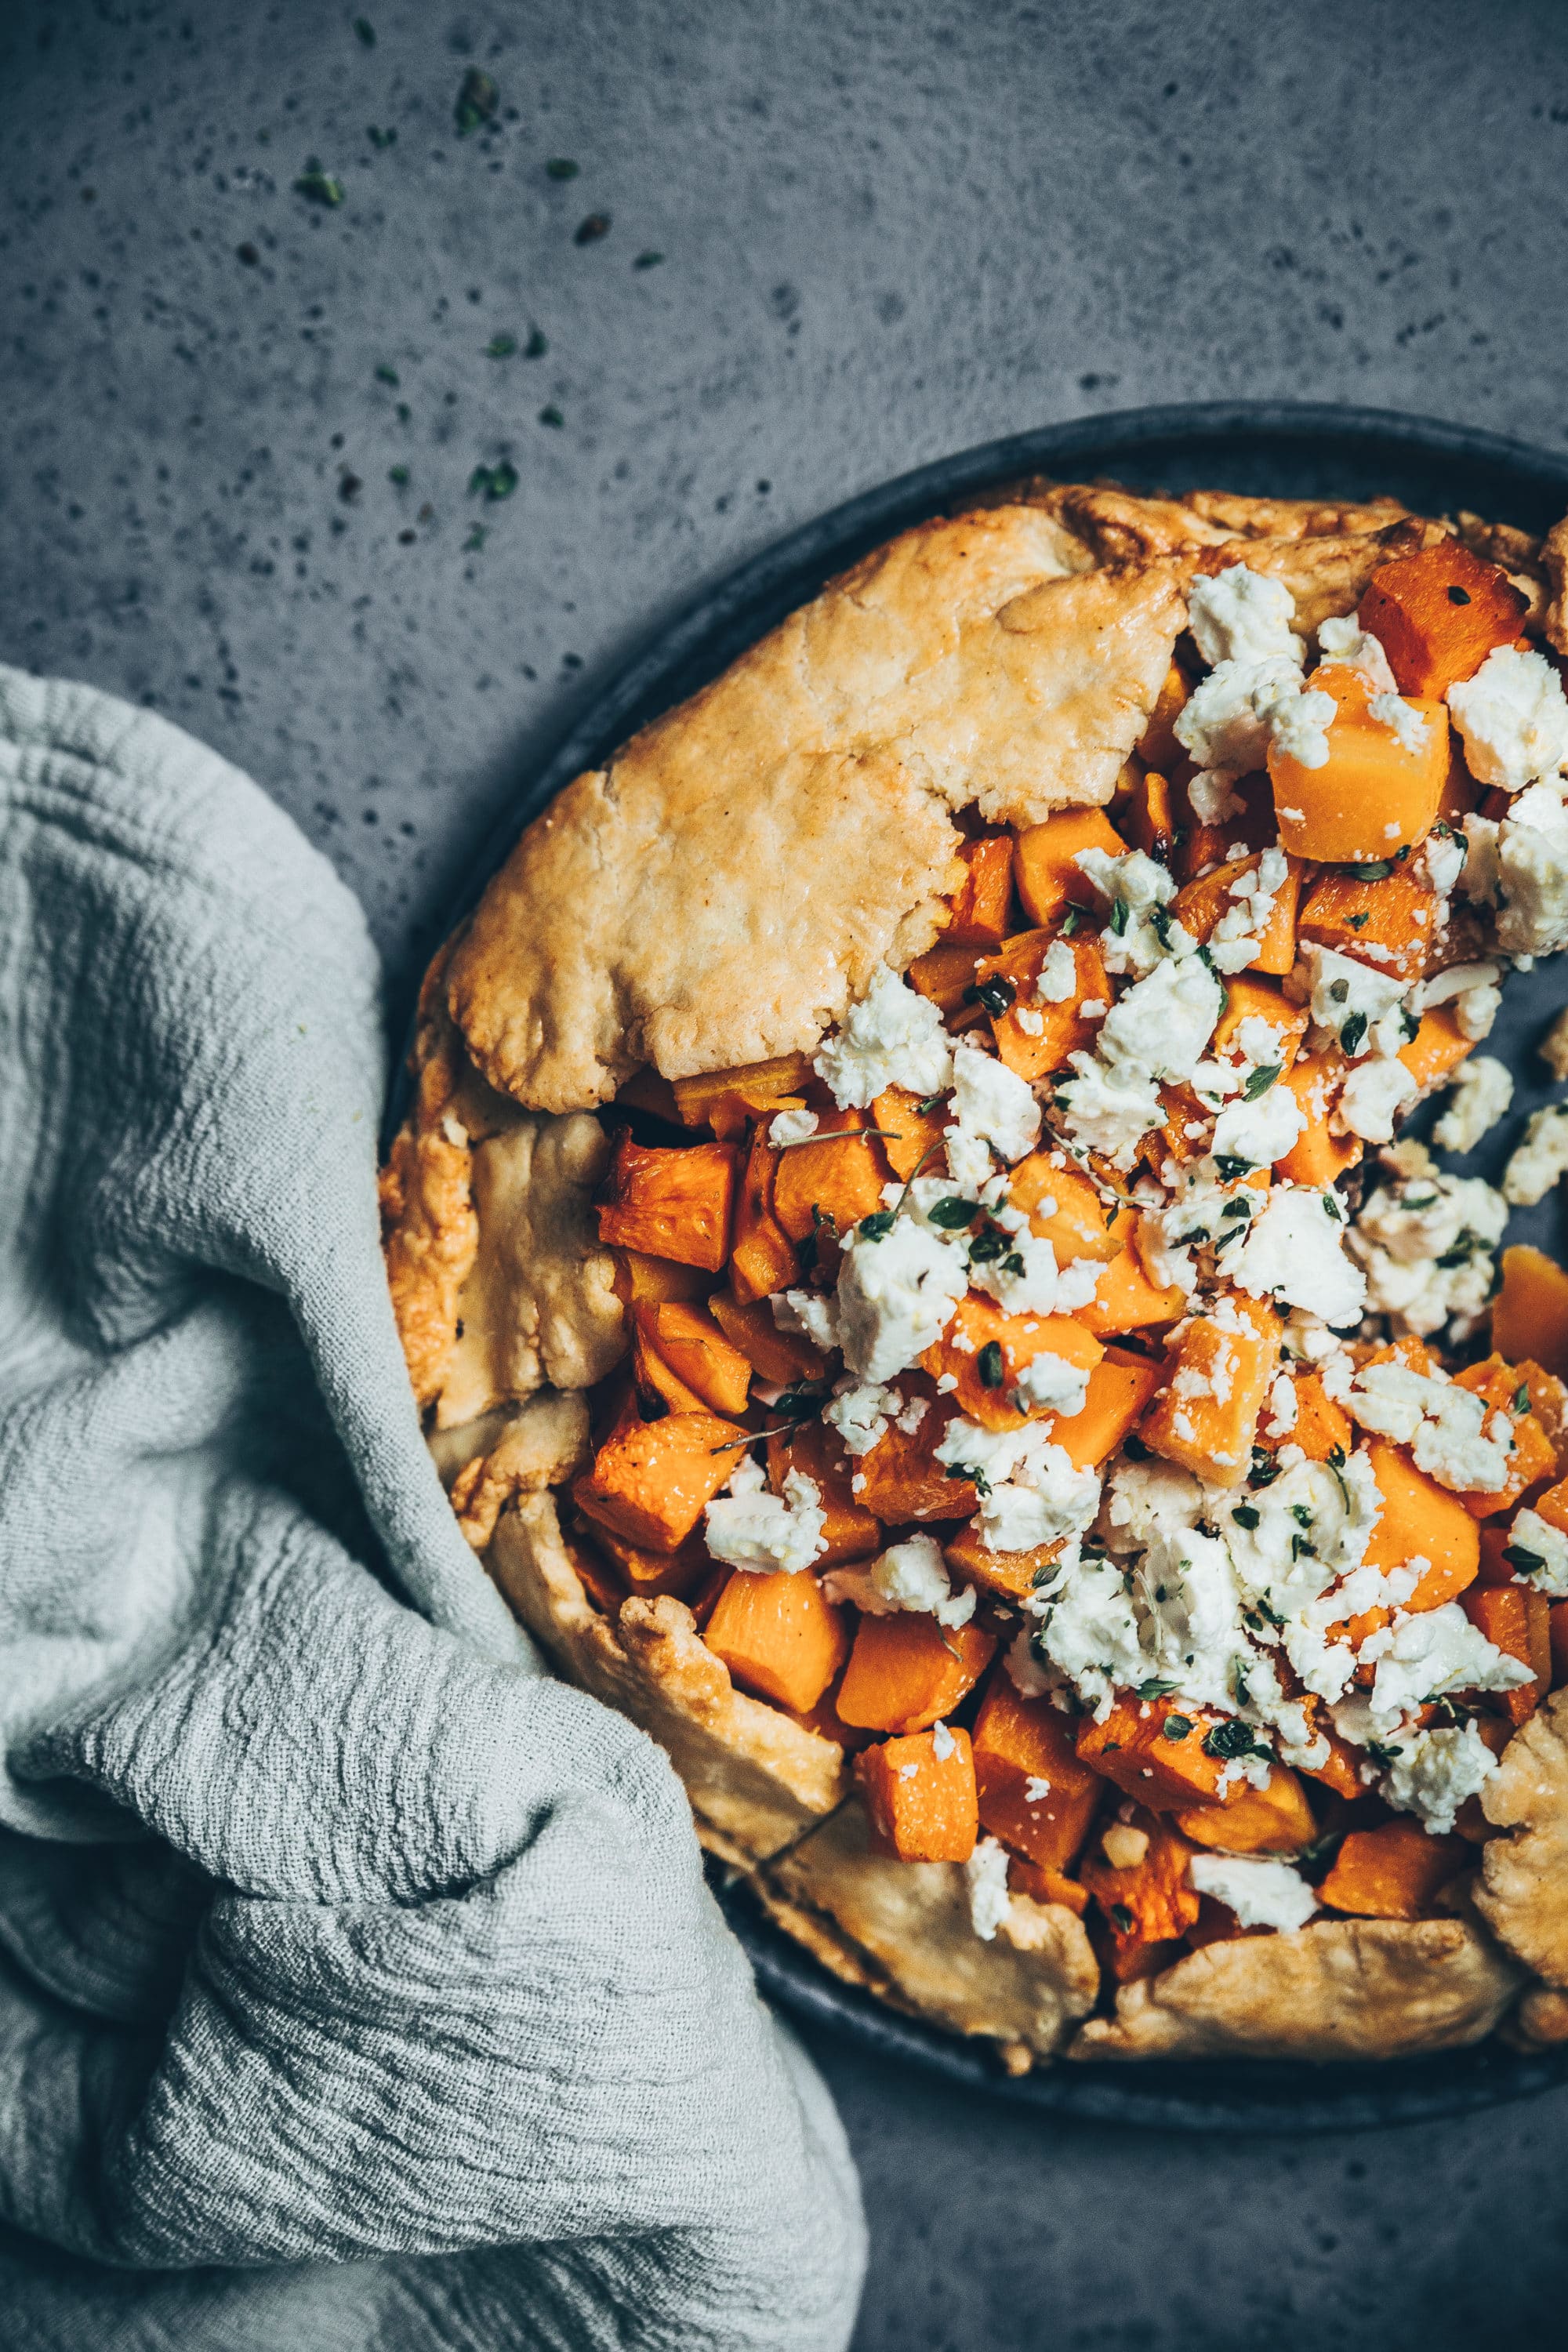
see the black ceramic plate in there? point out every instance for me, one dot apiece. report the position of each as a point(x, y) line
point(1279, 449)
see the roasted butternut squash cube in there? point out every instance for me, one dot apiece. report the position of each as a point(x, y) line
point(1149, 819)
point(1035, 1793)
point(725, 1099)
point(649, 1574)
point(1119, 1389)
point(640, 1280)
point(1341, 1770)
point(982, 906)
point(780, 1636)
point(651, 1480)
point(848, 1530)
point(834, 1182)
point(694, 1346)
point(1516, 1619)
point(985, 1352)
point(1157, 745)
point(671, 1203)
point(1391, 1872)
point(1389, 923)
point(1155, 1750)
point(1320, 1428)
point(1420, 1521)
point(1219, 1371)
point(1438, 1048)
point(900, 1478)
point(921, 1804)
point(1013, 1574)
point(1201, 847)
point(1043, 1885)
point(1276, 1818)
point(1064, 1208)
point(1378, 791)
point(1438, 614)
point(660, 1388)
point(1034, 1035)
point(1149, 1903)
point(1318, 1156)
point(1199, 905)
point(1534, 1455)
point(1046, 868)
point(765, 1259)
point(910, 1135)
point(1126, 1300)
point(1530, 1313)
point(1250, 999)
point(943, 973)
point(781, 1358)
point(905, 1671)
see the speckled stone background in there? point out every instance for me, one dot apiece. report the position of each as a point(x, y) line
point(240, 431)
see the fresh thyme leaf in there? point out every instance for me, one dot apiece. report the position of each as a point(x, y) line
point(1376, 870)
point(1153, 1688)
point(365, 32)
point(1247, 1516)
point(988, 1364)
point(1260, 1081)
point(1522, 1398)
point(877, 1226)
point(550, 416)
point(1353, 1032)
point(320, 187)
point(500, 347)
point(996, 993)
point(1229, 1740)
point(477, 99)
point(1122, 1918)
point(536, 345)
point(1232, 1166)
point(385, 374)
point(988, 1246)
point(647, 260)
point(1176, 1727)
point(1119, 917)
point(590, 231)
point(1526, 1562)
point(1070, 921)
point(954, 1213)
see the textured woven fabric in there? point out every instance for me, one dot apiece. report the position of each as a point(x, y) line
point(358, 1983)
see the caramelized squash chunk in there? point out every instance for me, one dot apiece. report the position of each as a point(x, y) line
point(1034, 1035)
point(1036, 1794)
point(725, 1099)
point(838, 1182)
point(985, 1350)
point(921, 1805)
point(982, 906)
point(1377, 793)
point(1065, 1209)
point(1199, 905)
point(671, 1203)
point(1530, 1313)
point(1438, 614)
point(848, 1530)
point(1155, 1749)
point(1275, 1819)
point(1391, 1872)
point(765, 1259)
point(696, 1352)
point(1389, 923)
point(651, 1480)
point(1219, 1370)
point(780, 1636)
point(1119, 1389)
point(779, 1357)
point(905, 1671)
point(1516, 1619)
point(1046, 866)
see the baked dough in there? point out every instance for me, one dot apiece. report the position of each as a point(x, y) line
point(641, 920)
point(1327, 577)
point(1523, 1892)
point(1340, 1988)
point(1554, 563)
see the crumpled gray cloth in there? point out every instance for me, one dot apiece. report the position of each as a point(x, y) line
point(358, 1983)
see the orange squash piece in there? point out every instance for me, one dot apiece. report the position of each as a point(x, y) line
point(1046, 1886)
point(725, 1099)
point(1394, 915)
point(649, 1574)
point(651, 1480)
point(1341, 1770)
point(1152, 1904)
point(671, 1203)
point(1013, 1574)
point(1030, 1051)
point(1420, 1521)
point(1534, 1456)
point(900, 1479)
point(910, 1135)
point(1149, 819)
point(849, 1530)
point(985, 1350)
point(1249, 998)
point(640, 1280)
point(1044, 866)
point(1391, 1872)
point(1206, 1418)
point(1516, 1619)
point(943, 973)
point(1317, 1157)
point(1119, 1389)
point(921, 1805)
point(1199, 905)
point(1438, 1048)
point(1373, 797)
point(1126, 1300)
point(1320, 1428)
point(660, 1388)
point(832, 1182)
point(780, 1636)
point(1530, 1313)
point(779, 1357)
point(905, 1671)
point(1153, 1749)
point(694, 1346)
point(1552, 1507)
point(982, 906)
point(1157, 745)
point(1035, 1793)
point(1078, 1223)
point(1201, 847)
point(1276, 1818)
point(1438, 614)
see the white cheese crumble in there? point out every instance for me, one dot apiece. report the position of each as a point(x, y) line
point(1345, 994)
point(1294, 1251)
point(808, 1315)
point(1240, 616)
point(1030, 1491)
point(1444, 1425)
point(993, 1104)
point(1513, 717)
point(1161, 1025)
point(1530, 1533)
point(891, 1037)
point(1425, 1242)
point(1375, 1093)
point(912, 1575)
point(792, 1126)
point(1344, 644)
point(1433, 1772)
point(1051, 1383)
point(1137, 884)
point(1421, 1657)
point(1409, 727)
point(985, 1877)
point(1262, 1130)
point(896, 1296)
point(1480, 1092)
point(1262, 1893)
point(1058, 974)
point(1540, 1159)
point(768, 1534)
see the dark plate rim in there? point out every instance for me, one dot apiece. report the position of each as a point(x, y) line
point(1513, 481)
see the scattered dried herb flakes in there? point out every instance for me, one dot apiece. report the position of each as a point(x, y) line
point(648, 261)
point(590, 231)
point(500, 347)
point(550, 416)
point(475, 539)
point(477, 100)
point(398, 474)
point(536, 345)
point(365, 31)
point(561, 167)
point(380, 138)
point(317, 187)
point(385, 374)
point(493, 481)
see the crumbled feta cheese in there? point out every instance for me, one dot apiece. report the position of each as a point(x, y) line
point(992, 1103)
point(1058, 974)
point(1475, 1011)
point(1240, 616)
point(792, 1126)
point(1421, 1657)
point(1375, 1095)
point(1343, 991)
point(1029, 1677)
point(1031, 1023)
point(1298, 725)
point(1231, 716)
point(1546, 1545)
point(1293, 1251)
point(1434, 1772)
point(769, 1533)
point(1262, 1130)
point(1540, 1159)
point(1051, 1383)
point(890, 1038)
point(1481, 1090)
point(912, 1575)
point(1444, 1425)
point(1408, 726)
point(808, 1315)
point(1108, 1110)
point(896, 1296)
point(1030, 1287)
point(985, 1875)
point(861, 1412)
point(942, 1743)
point(1345, 643)
point(1030, 1491)
point(1528, 883)
point(1090, 1633)
point(1137, 884)
point(1513, 718)
point(1262, 1892)
point(1160, 1026)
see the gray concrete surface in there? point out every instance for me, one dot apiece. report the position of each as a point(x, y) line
point(887, 231)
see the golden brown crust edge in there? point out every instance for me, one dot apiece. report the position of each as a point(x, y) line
point(1523, 1890)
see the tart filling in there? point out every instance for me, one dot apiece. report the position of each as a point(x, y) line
point(1038, 1455)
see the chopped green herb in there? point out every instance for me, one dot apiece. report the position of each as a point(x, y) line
point(996, 993)
point(1232, 1166)
point(1135, 1449)
point(988, 1246)
point(1340, 991)
point(320, 187)
point(647, 260)
point(798, 1403)
point(1260, 1081)
point(1123, 1917)
point(1013, 1262)
point(1247, 1516)
point(1376, 869)
point(477, 99)
point(1409, 1026)
point(1359, 922)
point(398, 474)
point(954, 1213)
point(1458, 595)
point(1301, 1515)
point(1332, 1208)
point(1522, 1398)
point(925, 1108)
point(1353, 1032)
point(1119, 917)
point(590, 231)
point(500, 347)
point(536, 345)
point(493, 481)
point(561, 167)
point(1336, 1457)
point(385, 374)
point(550, 416)
point(1176, 1727)
point(1265, 1469)
point(877, 1226)
point(1159, 921)
point(1382, 1755)
point(475, 539)
point(1229, 1740)
point(1153, 1688)
point(989, 1365)
point(1526, 1562)
point(1070, 921)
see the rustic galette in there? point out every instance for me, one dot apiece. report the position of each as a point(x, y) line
point(901, 1245)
